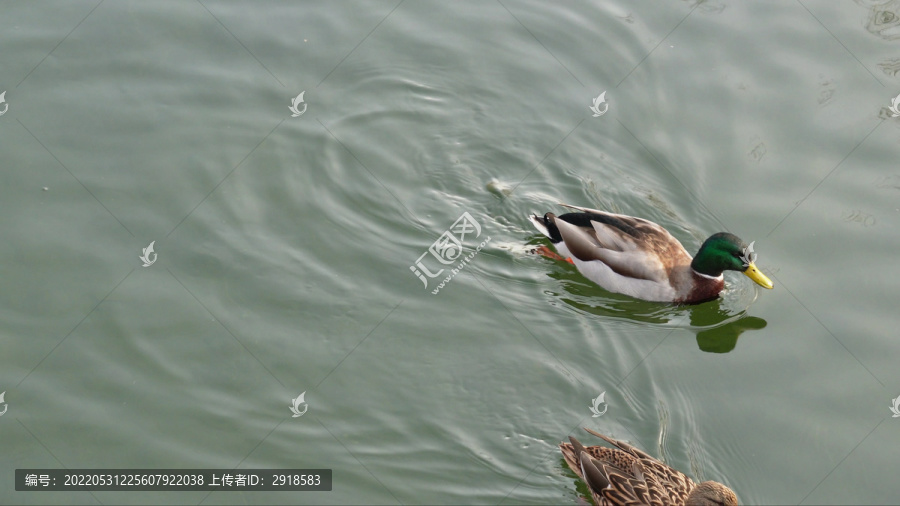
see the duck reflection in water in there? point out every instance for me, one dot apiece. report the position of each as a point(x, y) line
point(717, 324)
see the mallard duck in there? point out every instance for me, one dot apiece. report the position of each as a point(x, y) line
point(626, 475)
point(637, 257)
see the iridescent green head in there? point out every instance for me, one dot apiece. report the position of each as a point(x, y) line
point(727, 252)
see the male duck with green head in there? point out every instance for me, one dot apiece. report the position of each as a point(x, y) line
point(637, 257)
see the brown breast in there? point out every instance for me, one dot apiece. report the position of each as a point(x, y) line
point(704, 289)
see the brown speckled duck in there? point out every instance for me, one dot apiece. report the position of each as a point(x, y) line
point(625, 475)
point(637, 257)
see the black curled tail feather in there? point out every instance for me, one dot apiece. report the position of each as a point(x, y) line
point(552, 229)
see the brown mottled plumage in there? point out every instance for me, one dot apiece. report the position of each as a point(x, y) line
point(625, 475)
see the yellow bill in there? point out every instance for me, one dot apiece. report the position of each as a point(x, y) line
point(756, 275)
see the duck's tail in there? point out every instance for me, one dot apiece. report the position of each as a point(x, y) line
point(572, 453)
point(547, 226)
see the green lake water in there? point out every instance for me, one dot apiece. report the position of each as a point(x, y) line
point(285, 246)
